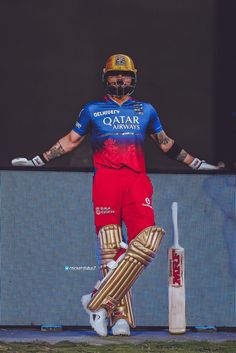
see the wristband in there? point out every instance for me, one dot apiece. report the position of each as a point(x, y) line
point(43, 158)
point(174, 151)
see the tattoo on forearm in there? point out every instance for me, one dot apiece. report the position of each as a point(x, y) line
point(55, 151)
point(163, 139)
point(181, 156)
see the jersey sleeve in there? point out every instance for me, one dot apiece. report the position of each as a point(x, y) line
point(155, 125)
point(83, 122)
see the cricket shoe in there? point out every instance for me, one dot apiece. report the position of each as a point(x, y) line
point(97, 319)
point(121, 328)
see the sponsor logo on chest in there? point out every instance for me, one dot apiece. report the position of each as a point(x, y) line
point(113, 119)
point(106, 112)
point(122, 122)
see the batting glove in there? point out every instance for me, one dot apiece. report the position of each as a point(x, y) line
point(37, 161)
point(197, 164)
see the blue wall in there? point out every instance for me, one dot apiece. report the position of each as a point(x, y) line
point(48, 248)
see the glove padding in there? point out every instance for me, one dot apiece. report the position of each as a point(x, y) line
point(24, 162)
point(197, 164)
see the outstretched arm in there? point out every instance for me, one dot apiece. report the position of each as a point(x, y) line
point(174, 151)
point(64, 145)
point(168, 146)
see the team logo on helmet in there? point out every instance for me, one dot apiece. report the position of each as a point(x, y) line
point(120, 60)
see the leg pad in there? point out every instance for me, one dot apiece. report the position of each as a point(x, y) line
point(110, 238)
point(141, 251)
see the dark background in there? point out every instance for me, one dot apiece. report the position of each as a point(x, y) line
point(53, 51)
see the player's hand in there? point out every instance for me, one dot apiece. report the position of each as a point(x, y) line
point(197, 164)
point(24, 162)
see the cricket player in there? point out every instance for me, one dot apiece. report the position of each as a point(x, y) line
point(122, 191)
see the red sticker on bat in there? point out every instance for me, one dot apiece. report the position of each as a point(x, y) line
point(176, 269)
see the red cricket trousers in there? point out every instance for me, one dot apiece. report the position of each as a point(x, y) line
point(122, 195)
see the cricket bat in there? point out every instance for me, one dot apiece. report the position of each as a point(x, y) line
point(176, 288)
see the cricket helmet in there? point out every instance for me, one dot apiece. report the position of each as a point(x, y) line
point(117, 64)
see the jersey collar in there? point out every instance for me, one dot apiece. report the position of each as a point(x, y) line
point(109, 99)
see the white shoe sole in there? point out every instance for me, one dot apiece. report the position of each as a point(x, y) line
point(121, 328)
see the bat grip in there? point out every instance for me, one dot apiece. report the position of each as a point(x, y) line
point(174, 208)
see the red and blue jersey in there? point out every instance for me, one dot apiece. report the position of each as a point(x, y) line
point(118, 131)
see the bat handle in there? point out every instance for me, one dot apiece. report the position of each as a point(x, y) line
point(174, 208)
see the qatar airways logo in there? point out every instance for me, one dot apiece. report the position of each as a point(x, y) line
point(122, 122)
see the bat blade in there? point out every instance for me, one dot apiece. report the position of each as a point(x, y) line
point(176, 285)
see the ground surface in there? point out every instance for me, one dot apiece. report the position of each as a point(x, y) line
point(141, 341)
point(89, 336)
point(146, 347)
